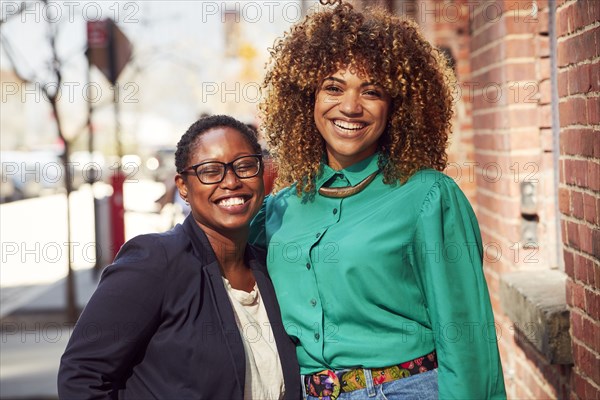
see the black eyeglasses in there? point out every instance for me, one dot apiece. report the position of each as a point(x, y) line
point(212, 172)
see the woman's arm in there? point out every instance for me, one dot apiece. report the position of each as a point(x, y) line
point(448, 255)
point(116, 324)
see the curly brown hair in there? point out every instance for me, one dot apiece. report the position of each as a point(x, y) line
point(388, 49)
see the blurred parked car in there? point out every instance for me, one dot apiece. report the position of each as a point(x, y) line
point(32, 173)
point(162, 164)
point(8, 191)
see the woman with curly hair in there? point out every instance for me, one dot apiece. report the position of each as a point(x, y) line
point(376, 256)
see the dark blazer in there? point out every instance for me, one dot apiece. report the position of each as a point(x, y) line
point(160, 325)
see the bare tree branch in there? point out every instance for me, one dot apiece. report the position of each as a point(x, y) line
point(22, 7)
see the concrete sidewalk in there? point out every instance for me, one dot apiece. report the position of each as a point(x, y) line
point(34, 337)
point(33, 326)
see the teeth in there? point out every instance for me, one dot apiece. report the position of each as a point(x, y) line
point(354, 126)
point(231, 201)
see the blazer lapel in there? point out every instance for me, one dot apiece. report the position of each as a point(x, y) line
point(211, 271)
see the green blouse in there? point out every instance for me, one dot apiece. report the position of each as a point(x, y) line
point(383, 277)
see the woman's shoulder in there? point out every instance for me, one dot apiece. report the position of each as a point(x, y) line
point(430, 179)
point(435, 187)
point(154, 248)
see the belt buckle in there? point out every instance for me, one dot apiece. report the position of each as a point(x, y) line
point(324, 385)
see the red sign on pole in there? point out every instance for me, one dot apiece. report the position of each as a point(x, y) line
point(108, 48)
point(97, 34)
point(117, 212)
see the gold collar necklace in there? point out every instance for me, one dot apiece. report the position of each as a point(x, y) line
point(347, 191)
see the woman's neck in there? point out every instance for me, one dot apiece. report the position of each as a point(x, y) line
point(228, 250)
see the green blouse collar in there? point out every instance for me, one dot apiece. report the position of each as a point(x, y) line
point(354, 173)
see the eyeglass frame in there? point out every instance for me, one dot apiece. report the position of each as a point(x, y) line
point(229, 165)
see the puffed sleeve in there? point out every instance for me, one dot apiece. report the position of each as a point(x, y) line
point(448, 263)
point(116, 324)
point(258, 236)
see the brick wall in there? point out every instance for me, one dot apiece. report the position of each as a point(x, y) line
point(578, 32)
point(504, 128)
point(446, 23)
point(510, 63)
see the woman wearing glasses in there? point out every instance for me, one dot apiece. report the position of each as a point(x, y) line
point(190, 313)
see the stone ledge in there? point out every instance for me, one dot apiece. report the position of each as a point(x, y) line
point(536, 302)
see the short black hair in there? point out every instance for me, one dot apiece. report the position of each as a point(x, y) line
point(187, 141)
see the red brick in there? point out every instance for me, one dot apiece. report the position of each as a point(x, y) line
point(569, 263)
point(580, 385)
point(487, 120)
point(570, 142)
point(593, 110)
point(580, 79)
point(572, 112)
point(521, 391)
point(520, 72)
point(587, 362)
point(585, 238)
point(573, 232)
point(591, 392)
point(581, 269)
point(569, 293)
point(564, 20)
point(578, 296)
point(524, 140)
point(594, 77)
point(577, 204)
point(589, 208)
point(523, 117)
point(543, 68)
point(593, 172)
point(595, 272)
point(563, 83)
point(547, 140)
point(573, 235)
point(576, 172)
point(592, 300)
point(490, 56)
point(545, 116)
point(596, 243)
point(563, 57)
point(542, 46)
point(589, 141)
point(520, 24)
point(593, 11)
point(564, 201)
point(545, 92)
point(518, 48)
point(493, 30)
point(591, 330)
point(577, 48)
point(576, 327)
point(542, 26)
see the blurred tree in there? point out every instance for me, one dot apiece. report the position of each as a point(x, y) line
point(50, 88)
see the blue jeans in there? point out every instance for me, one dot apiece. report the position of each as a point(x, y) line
point(417, 387)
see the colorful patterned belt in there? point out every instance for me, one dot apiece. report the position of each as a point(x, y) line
point(329, 384)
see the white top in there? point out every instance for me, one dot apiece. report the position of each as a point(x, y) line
point(264, 376)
